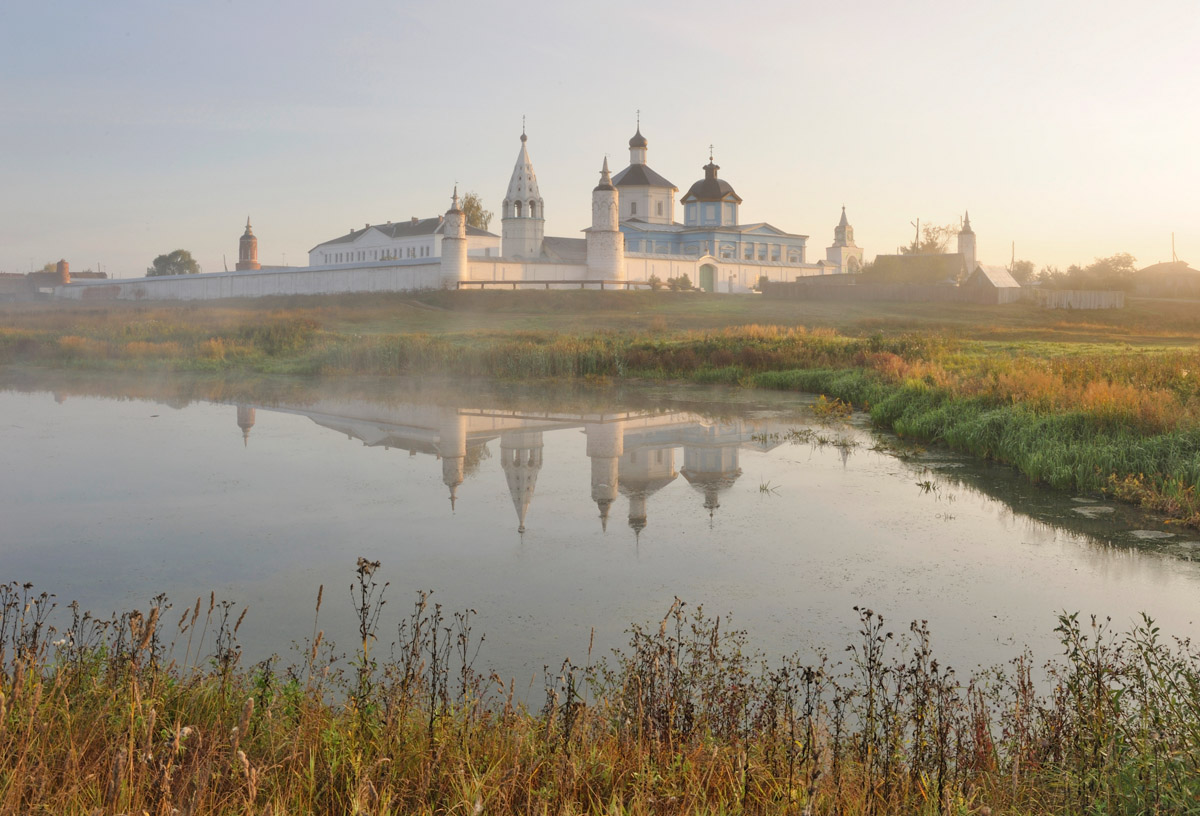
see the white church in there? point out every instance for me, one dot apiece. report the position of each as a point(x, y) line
point(633, 241)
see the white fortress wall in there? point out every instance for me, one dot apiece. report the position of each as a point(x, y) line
point(377, 277)
point(730, 275)
point(507, 269)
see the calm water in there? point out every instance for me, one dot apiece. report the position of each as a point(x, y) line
point(552, 515)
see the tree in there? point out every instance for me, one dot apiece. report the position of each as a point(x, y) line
point(473, 209)
point(933, 240)
point(179, 262)
point(1022, 271)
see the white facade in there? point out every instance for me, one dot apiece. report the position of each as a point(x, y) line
point(416, 239)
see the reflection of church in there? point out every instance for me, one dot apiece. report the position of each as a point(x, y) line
point(630, 454)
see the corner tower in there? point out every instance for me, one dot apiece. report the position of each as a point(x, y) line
point(454, 244)
point(966, 245)
point(605, 243)
point(844, 254)
point(522, 219)
point(248, 250)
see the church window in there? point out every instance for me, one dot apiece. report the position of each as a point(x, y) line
point(710, 212)
point(690, 213)
point(660, 208)
point(518, 209)
point(633, 208)
point(532, 209)
point(762, 252)
point(749, 255)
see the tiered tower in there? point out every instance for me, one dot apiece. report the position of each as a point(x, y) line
point(248, 250)
point(522, 219)
point(605, 243)
point(844, 253)
point(966, 244)
point(454, 244)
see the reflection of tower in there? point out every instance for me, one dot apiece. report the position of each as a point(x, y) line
point(245, 420)
point(521, 459)
point(453, 448)
point(605, 443)
point(711, 468)
point(644, 472)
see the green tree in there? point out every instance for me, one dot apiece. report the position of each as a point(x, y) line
point(933, 240)
point(1022, 271)
point(179, 262)
point(473, 209)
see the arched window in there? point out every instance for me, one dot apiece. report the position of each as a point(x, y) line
point(518, 209)
point(533, 209)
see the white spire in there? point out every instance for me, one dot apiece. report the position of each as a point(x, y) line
point(523, 185)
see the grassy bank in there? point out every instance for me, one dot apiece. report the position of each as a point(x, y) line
point(143, 713)
point(1098, 401)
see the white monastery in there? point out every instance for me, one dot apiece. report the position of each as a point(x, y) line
point(632, 241)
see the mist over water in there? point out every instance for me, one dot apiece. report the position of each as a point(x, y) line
point(553, 514)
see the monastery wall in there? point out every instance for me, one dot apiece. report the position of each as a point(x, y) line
point(380, 277)
point(501, 269)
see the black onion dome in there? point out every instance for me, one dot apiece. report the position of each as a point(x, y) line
point(638, 139)
point(711, 188)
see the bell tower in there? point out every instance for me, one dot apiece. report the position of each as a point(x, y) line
point(248, 250)
point(522, 219)
point(966, 244)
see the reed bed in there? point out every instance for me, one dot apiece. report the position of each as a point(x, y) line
point(144, 712)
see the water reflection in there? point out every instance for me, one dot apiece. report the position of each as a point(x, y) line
point(553, 512)
point(631, 454)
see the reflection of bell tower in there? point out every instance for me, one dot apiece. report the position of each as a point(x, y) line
point(711, 468)
point(643, 472)
point(521, 459)
point(453, 448)
point(605, 443)
point(245, 420)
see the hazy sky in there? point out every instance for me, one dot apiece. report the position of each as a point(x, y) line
point(129, 129)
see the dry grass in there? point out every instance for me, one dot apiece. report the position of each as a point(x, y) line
point(138, 713)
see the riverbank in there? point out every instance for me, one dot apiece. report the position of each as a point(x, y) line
point(1094, 402)
point(138, 712)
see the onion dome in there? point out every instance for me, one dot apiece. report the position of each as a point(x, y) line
point(711, 188)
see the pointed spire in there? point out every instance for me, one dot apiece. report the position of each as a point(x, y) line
point(453, 496)
point(966, 227)
point(455, 205)
point(523, 136)
point(843, 222)
point(605, 178)
point(248, 230)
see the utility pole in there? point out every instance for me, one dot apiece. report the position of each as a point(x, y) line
point(917, 239)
